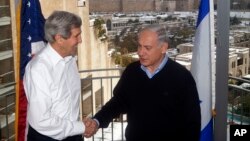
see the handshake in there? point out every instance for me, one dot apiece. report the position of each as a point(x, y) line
point(91, 127)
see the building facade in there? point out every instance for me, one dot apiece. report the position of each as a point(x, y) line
point(129, 6)
point(238, 62)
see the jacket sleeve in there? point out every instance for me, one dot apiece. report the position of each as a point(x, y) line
point(193, 111)
point(115, 106)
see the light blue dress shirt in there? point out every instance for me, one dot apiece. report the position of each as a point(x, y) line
point(163, 63)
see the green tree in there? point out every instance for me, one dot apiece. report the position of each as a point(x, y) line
point(116, 41)
point(129, 42)
point(185, 32)
point(100, 32)
point(234, 21)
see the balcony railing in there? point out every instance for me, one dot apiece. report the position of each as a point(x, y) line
point(100, 88)
point(239, 101)
point(7, 111)
point(97, 87)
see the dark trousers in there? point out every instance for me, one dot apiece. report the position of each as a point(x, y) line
point(33, 135)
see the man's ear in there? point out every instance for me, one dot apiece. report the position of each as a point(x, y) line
point(58, 38)
point(164, 47)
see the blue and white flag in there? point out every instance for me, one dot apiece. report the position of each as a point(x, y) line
point(201, 67)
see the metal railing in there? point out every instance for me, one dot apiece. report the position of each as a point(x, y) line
point(97, 87)
point(238, 101)
point(7, 111)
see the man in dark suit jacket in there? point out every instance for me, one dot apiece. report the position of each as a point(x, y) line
point(158, 95)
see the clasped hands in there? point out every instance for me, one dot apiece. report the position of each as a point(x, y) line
point(91, 127)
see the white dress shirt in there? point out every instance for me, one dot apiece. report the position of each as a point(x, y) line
point(52, 86)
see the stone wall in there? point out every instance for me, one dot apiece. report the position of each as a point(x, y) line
point(105, 6)
point(138, 5)
point(141, 5)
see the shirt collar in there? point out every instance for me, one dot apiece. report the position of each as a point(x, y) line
point(55, 56)
point(159, 68)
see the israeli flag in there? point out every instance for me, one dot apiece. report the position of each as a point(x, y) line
point(201, 68)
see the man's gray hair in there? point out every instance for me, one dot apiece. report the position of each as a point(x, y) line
point(61, 22)
point(159, 30)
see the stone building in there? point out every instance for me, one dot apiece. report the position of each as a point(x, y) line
point(238, 62)
point(129, 6)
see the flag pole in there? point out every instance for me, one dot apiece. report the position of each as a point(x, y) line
point(17, 61)
point(212, 44)
point(220, 127)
